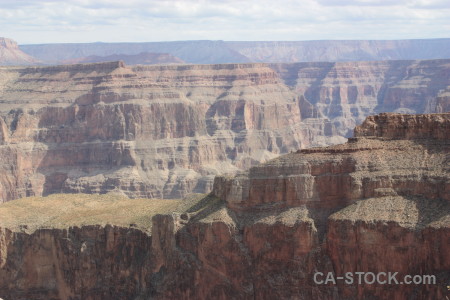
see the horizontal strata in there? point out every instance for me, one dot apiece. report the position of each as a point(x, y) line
point(166, 131)
point(111, 66)
point(415, 163)
point(260, 235)
point(379, 203)
point(397, 126)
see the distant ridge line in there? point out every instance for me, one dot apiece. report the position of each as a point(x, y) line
point(216, 52)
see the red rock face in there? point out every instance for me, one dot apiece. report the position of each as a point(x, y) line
point(92, 262)
point(377, 247)
point(379, 203)
point(396, 126)
point(376, 204)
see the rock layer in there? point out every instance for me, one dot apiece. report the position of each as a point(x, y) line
point(154, 132)
point(346, 93)
point(165, 131)
point(10, 54)
point(379, 203)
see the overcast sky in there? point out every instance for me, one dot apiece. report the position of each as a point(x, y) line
point(51, 21)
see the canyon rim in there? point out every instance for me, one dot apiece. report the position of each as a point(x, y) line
point(158, 176)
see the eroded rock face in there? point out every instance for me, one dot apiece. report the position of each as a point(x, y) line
point(347, 92)
point(10, 54)
point(379, 203)
point(156, 132)
point(397, 126)
point(91, 262)
point(165, 131)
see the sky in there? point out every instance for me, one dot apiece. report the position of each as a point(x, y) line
point(78, 21)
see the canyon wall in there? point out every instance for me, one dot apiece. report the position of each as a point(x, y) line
point(209, 52)
point(342, 50)
point(91, 262)
point(346, 93)
point(153, 132)
point(378, 203)
point(165, 131)
point(10, 54)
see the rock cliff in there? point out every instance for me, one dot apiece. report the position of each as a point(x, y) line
point(165, 131)
point(152, 132)
point(347, 92)
point(77, 246)
point(10, 54)
point(378, 203)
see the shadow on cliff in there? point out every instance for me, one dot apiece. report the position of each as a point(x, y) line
point(397, 71)
point(206, 207)
point(430, 210)
point(390, 95)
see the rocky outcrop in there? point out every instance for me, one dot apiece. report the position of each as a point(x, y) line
point(379, 203)
point(10, 54)
point(165, 131)
point(394, 147)
point(397, 126)
point(69, 246)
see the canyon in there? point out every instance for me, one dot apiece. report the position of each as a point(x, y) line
point(167, 131)
point(219, 52)
point(378, 203)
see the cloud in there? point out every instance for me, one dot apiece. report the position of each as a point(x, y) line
point(362, 2)
point(139, 20)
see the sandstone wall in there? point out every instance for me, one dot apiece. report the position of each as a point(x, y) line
point(10, 54)
point(91, 262)
point(347, 92)
point(158, 131)
point(165, 131)
point(379, 203)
